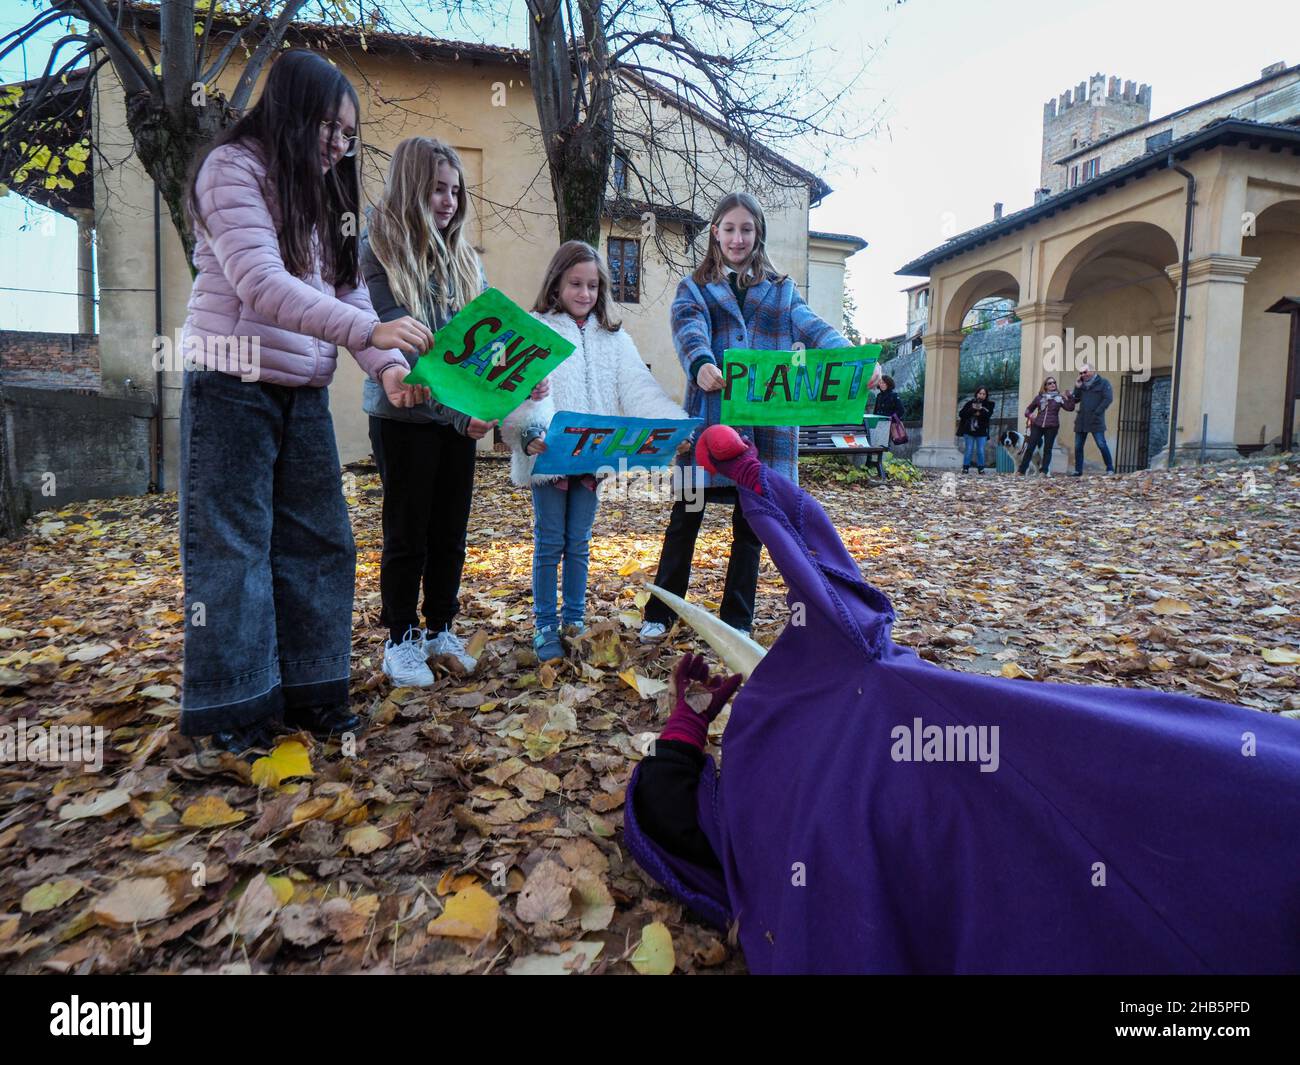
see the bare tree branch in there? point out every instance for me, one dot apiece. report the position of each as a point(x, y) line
point(265, 49)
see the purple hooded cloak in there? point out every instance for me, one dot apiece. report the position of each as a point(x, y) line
point(1067, 828)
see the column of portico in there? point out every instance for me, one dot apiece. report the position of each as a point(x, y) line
point(1211, 361)
point(939, 448)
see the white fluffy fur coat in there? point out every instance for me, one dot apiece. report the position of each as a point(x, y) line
point(604, 375)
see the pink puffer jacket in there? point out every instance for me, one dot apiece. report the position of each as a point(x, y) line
point(242, 288)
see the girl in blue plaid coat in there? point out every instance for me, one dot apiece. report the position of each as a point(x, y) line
point(734, 299)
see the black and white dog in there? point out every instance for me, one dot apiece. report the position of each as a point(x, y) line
point(1015, 442)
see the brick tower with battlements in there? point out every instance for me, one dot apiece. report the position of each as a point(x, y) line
point(1094, 109)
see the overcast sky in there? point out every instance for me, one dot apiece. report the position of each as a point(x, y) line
point(959, 87)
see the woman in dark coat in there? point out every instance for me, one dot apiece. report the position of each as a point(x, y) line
point(888, 405)
point(887, 402)
point(974, 418)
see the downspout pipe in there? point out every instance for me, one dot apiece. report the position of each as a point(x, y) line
point(1188, 211)
point(157, 479)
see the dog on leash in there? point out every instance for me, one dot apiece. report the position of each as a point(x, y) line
point(1015, 442)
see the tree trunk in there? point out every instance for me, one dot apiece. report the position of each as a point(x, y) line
point(166, 143)
point(577, 133)
point(579, 171)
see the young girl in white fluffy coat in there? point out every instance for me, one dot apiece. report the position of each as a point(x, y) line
point(604, 375)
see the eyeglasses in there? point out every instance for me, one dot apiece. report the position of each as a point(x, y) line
point(333, 130)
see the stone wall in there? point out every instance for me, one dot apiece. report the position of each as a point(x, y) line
point(67, 447)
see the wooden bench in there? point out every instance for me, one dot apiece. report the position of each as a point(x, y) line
point(821, 440)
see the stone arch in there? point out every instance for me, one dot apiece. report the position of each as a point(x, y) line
point(1125, 247)
point(1264, 199)
point(975, 288)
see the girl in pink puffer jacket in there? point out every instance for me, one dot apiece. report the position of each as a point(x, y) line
point(266, 546)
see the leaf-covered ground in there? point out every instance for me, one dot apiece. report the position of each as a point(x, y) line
point(476, 826)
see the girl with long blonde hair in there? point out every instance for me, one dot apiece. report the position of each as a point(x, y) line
point(417, 259)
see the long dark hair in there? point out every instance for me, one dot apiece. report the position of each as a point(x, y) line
point(302, 90)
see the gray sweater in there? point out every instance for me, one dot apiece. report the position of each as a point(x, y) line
point(373, 400)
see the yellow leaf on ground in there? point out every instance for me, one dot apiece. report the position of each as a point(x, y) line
point(654, 956)
point(1280, 656)
point(289, 759)
point(49, 896)
point(1013, 671)
point(150, 840)
point(449, 882)
point(209, 811)
point(1171, 606)
point(366, 838)
point(469, 914)
point(282, 886)
point(311, 808)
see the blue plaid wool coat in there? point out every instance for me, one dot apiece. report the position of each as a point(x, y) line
point(707, 321)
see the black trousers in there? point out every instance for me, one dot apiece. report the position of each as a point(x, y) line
point(665, 802)
point(1048, 437)
point(428, 475)
point(742, 567)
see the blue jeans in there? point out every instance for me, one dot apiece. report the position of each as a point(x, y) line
point(1100, 437)
point(562, 522)
point(974, 449)
point(267, 553)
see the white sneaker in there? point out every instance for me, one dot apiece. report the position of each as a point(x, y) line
point(404, 663)
point(448, 643)
point(652, 631)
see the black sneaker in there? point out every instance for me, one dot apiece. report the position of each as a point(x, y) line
point(323, 721)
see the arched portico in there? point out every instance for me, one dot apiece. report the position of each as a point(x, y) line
point(943, 362)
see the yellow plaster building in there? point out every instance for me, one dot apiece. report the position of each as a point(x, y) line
point(477, 97)
point(1096, 266)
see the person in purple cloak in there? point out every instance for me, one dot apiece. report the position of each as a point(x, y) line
point(880, 814)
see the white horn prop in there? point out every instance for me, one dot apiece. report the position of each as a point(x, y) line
point(741, 654)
